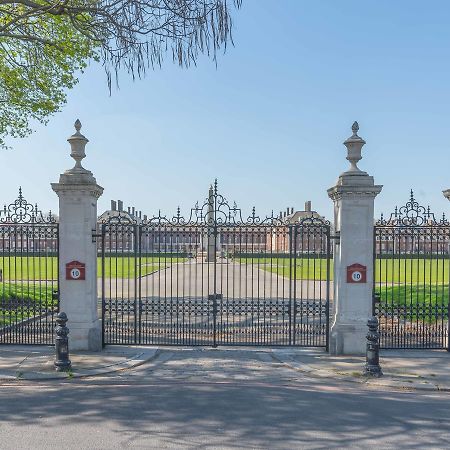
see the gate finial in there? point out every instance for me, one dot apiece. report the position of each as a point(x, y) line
point(354, 146)
point(77, 125)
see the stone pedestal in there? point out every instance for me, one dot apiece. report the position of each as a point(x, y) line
point(353, 197)
point(78, 193)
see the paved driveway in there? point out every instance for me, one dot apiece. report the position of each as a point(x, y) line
point(256, 307)
point(196, 279)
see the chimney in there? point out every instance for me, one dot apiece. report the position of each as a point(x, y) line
point(308, 206)
point(129, 210)
point(292, 210)
point(287, 209)
point(145, 217)
point(120, 205)
point(113, 205)
point(140, 214)
point(281, 214)
point(133, 211)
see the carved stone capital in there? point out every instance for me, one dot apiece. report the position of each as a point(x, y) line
point(353, 192)
point(64, 189)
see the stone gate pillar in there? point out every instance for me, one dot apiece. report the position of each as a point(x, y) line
point(78, 193)
point(353, 197)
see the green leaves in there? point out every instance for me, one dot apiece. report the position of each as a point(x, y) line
point(46, 44)
point(40, 57)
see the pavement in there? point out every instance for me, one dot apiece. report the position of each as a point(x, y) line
point(405, 369)
point(36, 362)
point(229, 398)
point(402, 369)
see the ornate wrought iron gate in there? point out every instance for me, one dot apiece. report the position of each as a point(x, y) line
point(29, 243)
point(411, 282)
point(215, 278)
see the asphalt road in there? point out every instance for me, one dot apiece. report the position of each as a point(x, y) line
point(211, 399)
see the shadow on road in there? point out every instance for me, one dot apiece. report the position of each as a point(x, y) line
point(263, 411)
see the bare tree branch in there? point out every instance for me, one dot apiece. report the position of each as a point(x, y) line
point(134, 34)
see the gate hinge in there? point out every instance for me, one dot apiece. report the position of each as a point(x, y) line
point(336, 236)
point(95, 235)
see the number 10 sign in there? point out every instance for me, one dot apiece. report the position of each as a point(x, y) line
point(75, 270)
point(356, 273)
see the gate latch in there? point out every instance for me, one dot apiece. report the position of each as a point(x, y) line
point(214, 298)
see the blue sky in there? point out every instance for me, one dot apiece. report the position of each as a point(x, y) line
point(270, 120)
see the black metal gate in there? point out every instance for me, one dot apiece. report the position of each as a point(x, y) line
point(29, 243)
point(215, 278)
point(411, 279)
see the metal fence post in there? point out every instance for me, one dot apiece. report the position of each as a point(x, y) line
point(62, 361)
point(372, 367)
point(447, 196)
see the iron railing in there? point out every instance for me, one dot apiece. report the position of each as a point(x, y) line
point(411, 279)
point(29, 299)
point(215, 278)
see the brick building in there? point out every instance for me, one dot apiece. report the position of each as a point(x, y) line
point(164, 236)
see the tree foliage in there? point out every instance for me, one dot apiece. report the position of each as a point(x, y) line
point(45, 44)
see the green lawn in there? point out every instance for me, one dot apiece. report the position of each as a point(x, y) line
point(427, 304)
point(22, 301)
point(305, 269)
point(405, 271)
point(386, 270)
point(29, 268)
point(45, 268)
point(407, 294)
point(128, 267)
point(428, 271)
point(423, 282)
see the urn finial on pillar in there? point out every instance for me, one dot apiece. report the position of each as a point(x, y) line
point(78, 143)
point(354, 146)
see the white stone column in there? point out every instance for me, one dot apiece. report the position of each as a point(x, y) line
point(78, 193)
point(353, 197)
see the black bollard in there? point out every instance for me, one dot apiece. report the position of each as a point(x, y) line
point(62, 361)
point(372, 367)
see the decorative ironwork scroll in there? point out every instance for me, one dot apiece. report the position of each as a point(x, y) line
point(412, 214)
point(22, 212)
